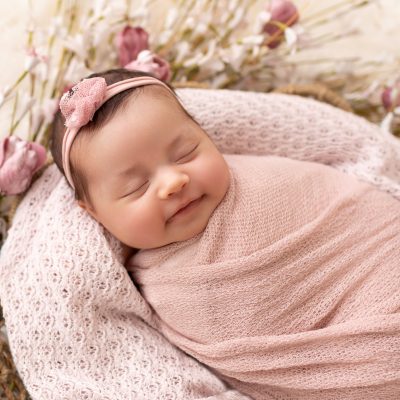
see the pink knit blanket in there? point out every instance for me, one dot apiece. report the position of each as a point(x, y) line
point(292, 289)
point(78, 327)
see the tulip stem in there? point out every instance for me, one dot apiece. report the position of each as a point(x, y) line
point(336, 6)
point(18, 81)
point(14, 112)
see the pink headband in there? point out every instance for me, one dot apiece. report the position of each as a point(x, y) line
point(83, 100)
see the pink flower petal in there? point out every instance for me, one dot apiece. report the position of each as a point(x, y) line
point(20, 160)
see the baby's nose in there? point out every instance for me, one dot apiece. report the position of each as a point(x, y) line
point(172, 181)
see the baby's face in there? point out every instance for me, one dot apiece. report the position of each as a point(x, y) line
point(147, 163)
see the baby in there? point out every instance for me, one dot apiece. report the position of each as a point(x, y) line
point(282, 276)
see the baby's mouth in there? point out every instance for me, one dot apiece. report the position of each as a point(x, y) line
point(187, 208)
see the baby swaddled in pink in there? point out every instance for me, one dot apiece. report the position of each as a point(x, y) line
point(292, 290)
point(281, 276)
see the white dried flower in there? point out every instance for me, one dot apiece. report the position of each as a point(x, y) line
point(212, 59)
point(79, 44)
point(387, 122)
point(232, 5)
point(98, 7)
point(253, 40)
point(171, 17)
point(224, 17)
point(101, 34)
point(214, 65)
point(201, 29)
point(49, 108)
point(290, 37)
point(27, 102)
point(237, 18)
point(182, 50)
point(75, 71)
point(5, 94)
point(31, 61)
point(164, 36)
point(219, 80)
point(140, 13)
point(234, 55)
point(262, 18)
point(190, 23)
point(57, 27)
point(37, 117)
point(191, 62)
point(114, 12)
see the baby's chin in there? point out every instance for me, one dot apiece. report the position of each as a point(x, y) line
point(180, 237)
point(128, 251)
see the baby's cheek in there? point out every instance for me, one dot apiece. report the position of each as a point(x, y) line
point(142, 225)
point(216, 174)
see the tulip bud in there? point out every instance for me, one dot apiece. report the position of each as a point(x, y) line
point(19, 160)
point(151, 63)
point(284, 12)
point(391, 97)
point(130, 42)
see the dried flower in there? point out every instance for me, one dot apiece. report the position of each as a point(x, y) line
point(151, 63)
point(130, 42)
point(19, 160)
point(282, 12)
point(391, 97)
point(33, 59)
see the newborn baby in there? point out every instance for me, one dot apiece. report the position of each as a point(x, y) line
point(292, 288)
point(282, 276)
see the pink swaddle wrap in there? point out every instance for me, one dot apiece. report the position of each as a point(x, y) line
point(292, 290)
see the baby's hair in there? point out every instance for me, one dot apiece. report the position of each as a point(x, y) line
point(100, 118)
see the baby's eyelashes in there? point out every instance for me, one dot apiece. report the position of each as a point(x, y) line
point(139, 189)
point(189, 154)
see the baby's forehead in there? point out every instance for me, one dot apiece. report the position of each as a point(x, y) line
point(139, 112)
point(158, 92)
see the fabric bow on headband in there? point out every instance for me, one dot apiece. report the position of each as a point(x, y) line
point(82, 101)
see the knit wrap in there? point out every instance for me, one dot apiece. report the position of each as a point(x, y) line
point(292, 290)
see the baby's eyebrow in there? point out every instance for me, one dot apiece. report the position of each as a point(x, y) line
point(137, 169)
point(177, 140)
point(133, 170)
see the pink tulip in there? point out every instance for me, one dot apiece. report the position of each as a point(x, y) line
point(19, 160)
point(283, 11)
point(130, 42)
point(391, 97)
point(151, 63)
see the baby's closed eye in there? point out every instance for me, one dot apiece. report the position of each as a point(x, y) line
point(138, 189)
point(187, 155)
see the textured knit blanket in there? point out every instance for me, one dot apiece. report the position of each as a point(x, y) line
point(78, 328)
point(292, 290)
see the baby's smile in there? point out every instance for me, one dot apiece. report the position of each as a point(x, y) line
point(186, 210)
